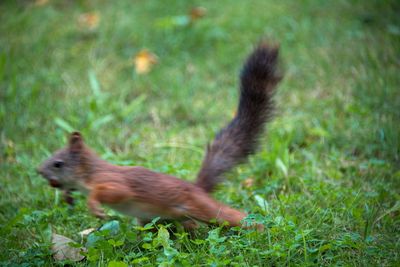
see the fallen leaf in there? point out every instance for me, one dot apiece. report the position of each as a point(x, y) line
point(86, 232)
point(41, 2)
point(249, 182)
point(89, 20)
point(63, 251)
point(144, 61)
point(197, 13)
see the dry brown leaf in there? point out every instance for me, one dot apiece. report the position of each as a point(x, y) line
point(144, 61)
point(62, 250)
point(41, 2)
point(89, 20)
point(197, 13)
point(249, 182)
point(86, 232)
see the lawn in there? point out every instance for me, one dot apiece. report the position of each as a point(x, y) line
point(326, 180)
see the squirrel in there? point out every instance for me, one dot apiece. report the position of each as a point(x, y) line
point(146, 194)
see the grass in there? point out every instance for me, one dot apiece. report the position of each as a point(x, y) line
point(325, 183)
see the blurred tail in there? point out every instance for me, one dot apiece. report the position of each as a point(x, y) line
point(239, 139)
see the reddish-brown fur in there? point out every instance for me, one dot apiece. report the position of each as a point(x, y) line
point(146, 194)
point(150, 193)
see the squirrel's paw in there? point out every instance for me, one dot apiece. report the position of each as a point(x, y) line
point(100, 214)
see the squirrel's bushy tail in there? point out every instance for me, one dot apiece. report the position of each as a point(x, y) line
point(239, 139)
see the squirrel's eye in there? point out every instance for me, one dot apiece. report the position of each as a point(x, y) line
point(58, 164)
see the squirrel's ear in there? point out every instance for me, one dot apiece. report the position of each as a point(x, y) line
point(75, 142)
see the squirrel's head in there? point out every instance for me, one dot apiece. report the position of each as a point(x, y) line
point(64, 167)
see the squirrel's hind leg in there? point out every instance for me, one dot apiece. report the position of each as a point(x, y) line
point(106, 193)
point(190, 225)
point(203, 208)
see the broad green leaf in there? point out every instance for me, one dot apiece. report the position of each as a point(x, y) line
point(117, 264)
point(163, 237)
point(111, 227)
point(147, 246)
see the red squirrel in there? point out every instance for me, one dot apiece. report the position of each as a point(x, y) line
point(145, 194)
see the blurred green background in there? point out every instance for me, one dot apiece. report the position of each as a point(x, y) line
point(326, 180)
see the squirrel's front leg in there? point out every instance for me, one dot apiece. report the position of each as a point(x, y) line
point(94, 206)
point(106, 193)
point(68, 197)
